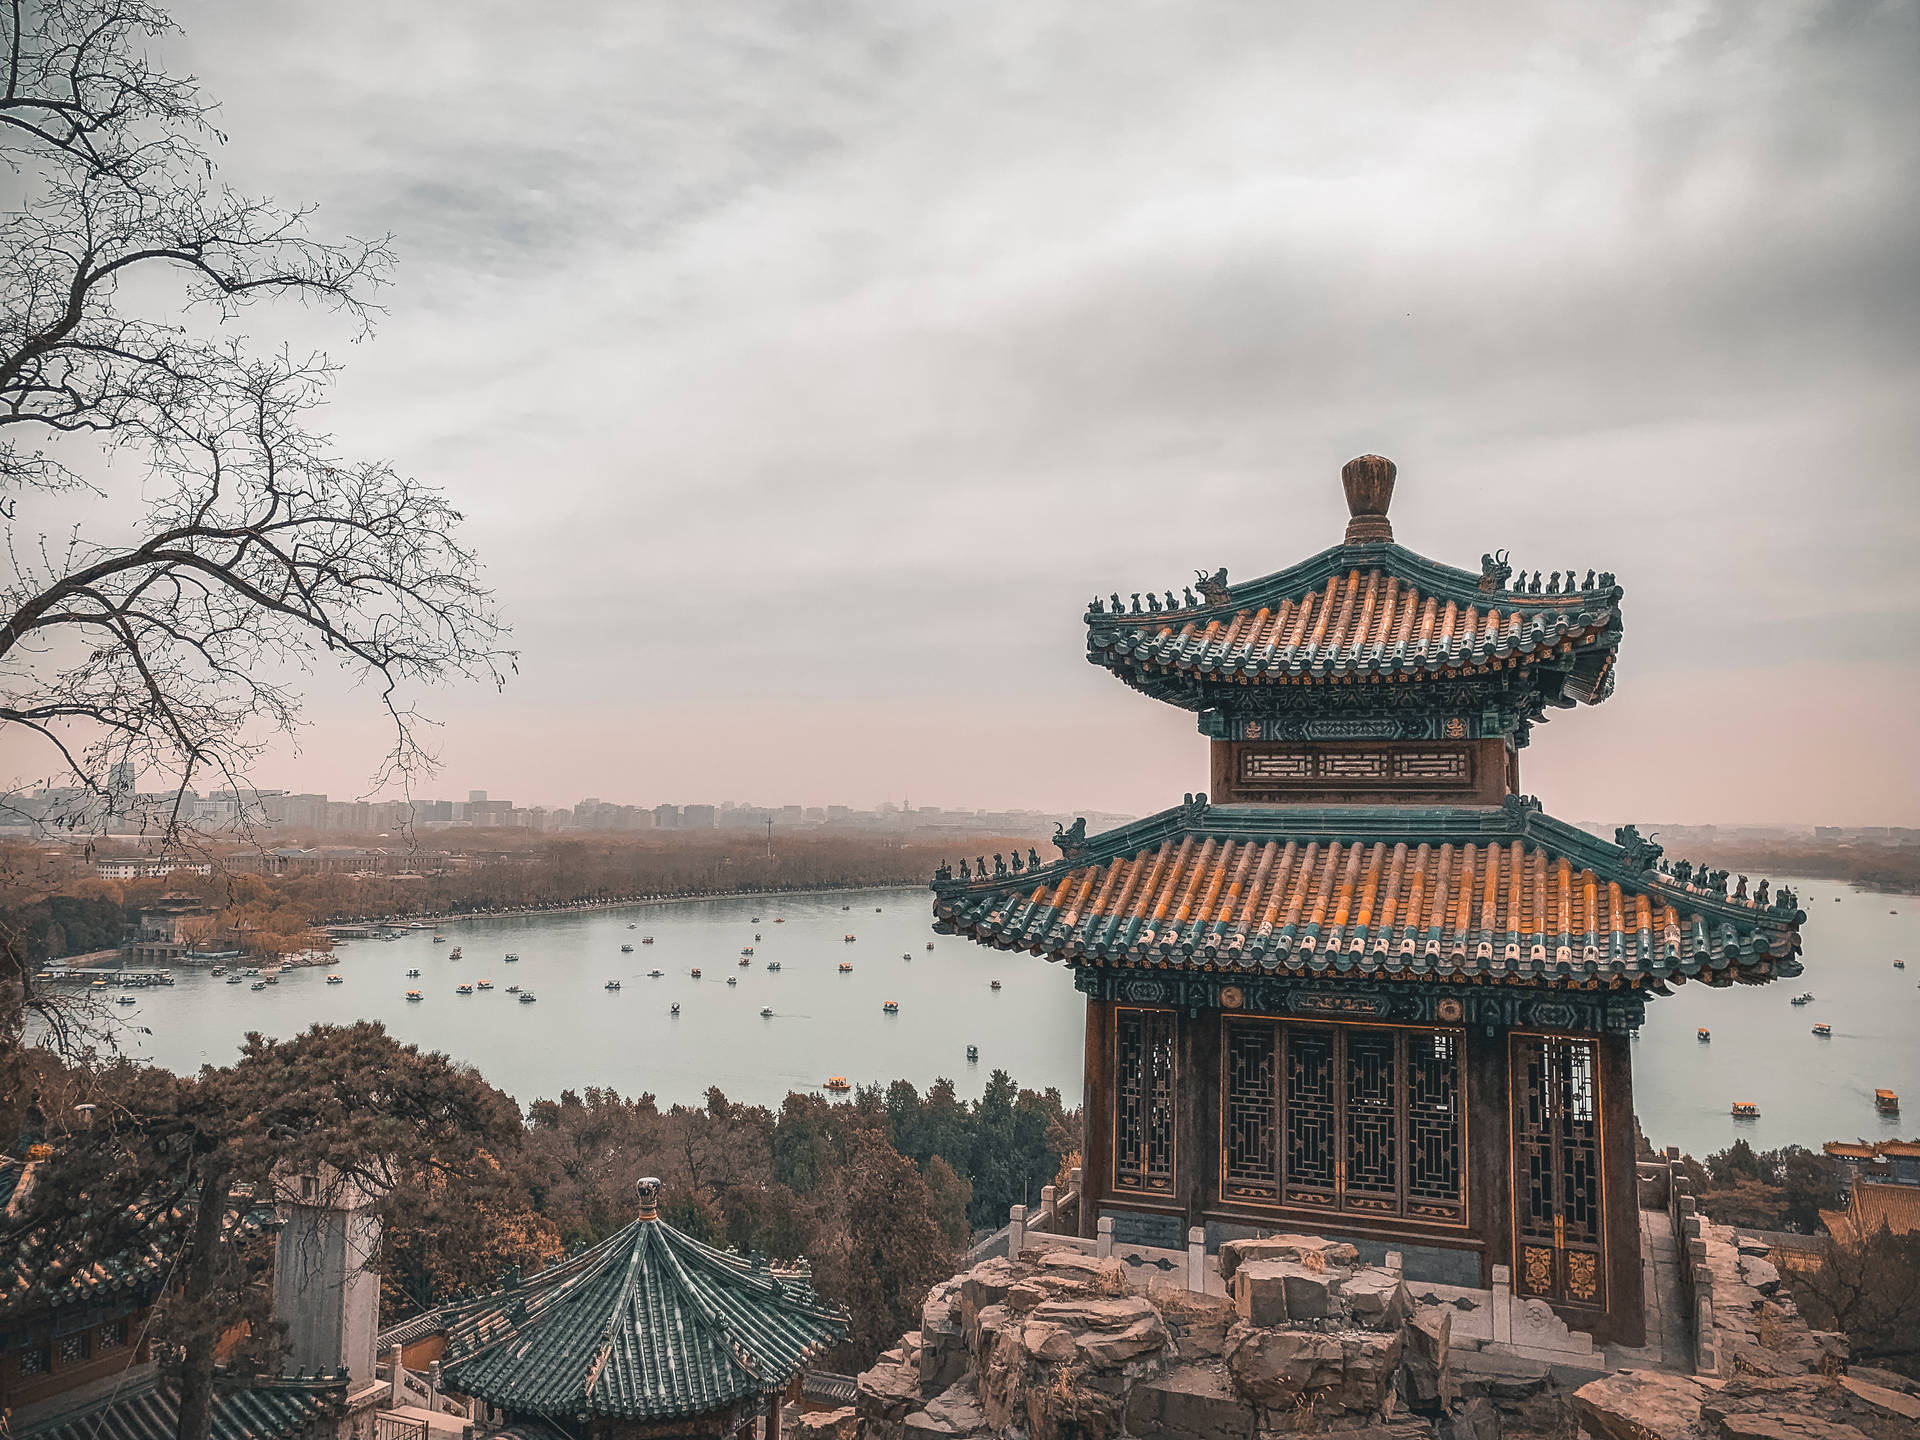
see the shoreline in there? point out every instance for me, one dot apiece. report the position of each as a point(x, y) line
point(582, 906)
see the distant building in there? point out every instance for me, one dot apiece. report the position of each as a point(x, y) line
point(666, 817)
point(1871, 1207)
point(698, 817)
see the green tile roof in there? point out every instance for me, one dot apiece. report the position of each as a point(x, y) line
point(149, 1409)
point(648, 1324)
point(44, 1267)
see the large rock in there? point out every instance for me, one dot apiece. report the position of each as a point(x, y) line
point(1274, 1292)
point(1377, 1297)
point(956, 1412)
point(986, 1284)
point(1198, 1323)
point(1760, 1273)
point(841, 1424)
point(1189, 1402)
point(1235, 1253)
point(1000, 1363)
point(883, 1397)
point(1424, 1370)
point(1639, 1405)
point(1785, 1427)
point(1476, 1419)
point(1109, 1331)
point(1275, 1367)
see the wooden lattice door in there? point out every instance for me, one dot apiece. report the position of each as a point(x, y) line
point(1559, 1249)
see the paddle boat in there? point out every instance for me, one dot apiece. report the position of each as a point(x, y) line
point(413, 994)
point(513, 989)
point(1745, 1110)
point(845, 968)
point(994, 986)
point(125, 1000)
point(695, 972)
point(335, 980)
point(259, 984)
point(626, 949)
point(412, 973)
point(1886, 1102)
point(646, 939)
point(485, 985)
point(454, 954)
point(527, 997)
point(1703, 1035)
point(655, 974)
point(836, 1083)
point(892, 1007)
point(611, 985)
point(463, 989)
point(767, 1012)
point(236, 979)
point(1823, 1031)
point(674, 1009)
point(733, 979)
point(973, 1052)
point(511, 957)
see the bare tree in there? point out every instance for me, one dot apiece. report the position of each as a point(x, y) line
point(256, 553)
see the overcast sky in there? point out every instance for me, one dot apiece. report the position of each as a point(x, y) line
point(805, 368)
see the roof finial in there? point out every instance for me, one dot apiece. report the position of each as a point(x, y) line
point(1368, 481)
point(649, 1189)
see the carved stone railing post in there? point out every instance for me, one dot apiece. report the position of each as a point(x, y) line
point(1049, 1208)
point(1103, 1239)
point(1197, 1260)
point(1502, 1305)
point(1016, 1231)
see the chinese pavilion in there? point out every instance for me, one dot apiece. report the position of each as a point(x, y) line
point(649, 1333)
point(1370, 989)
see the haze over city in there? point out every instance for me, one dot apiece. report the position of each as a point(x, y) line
point(804, 372)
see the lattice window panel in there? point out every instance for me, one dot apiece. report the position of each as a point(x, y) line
point(1430, 765)
point(1250, 1168)
point(1295, 765)
point(1434, 1169)
point(1358, 765)
point(1557, 1163)
point(1143, 1127)
point(1313, 1114)
point(1372, 1179)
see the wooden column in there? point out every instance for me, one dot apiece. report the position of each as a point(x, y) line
point(1489, 1148)
point(1196, 1135)
point(1096, 1111)
point(1626, 1293)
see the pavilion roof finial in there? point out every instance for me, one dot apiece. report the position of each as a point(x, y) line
point(1368, 481)
point(649, 1189)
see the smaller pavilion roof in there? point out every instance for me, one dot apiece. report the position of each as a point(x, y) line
point(149, 1409)
point(647, 1325)
point(47, 1266)
point(1377, 892)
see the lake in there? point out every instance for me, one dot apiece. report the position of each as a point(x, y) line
point(827, 1023)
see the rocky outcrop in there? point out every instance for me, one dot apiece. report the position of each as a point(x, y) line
point(1642, 1405)
point(841, 1424)
point(1054, 1345)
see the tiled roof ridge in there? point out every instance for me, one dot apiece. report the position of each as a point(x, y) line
point(1518, 817)
point(1431, 577)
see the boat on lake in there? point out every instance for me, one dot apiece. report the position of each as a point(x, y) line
point(1703, 1035)
point(236, 979)
point(439, 939)
point(929, 944)
point(626, 949)
point(655, 974)
point(413, 994)
point(485, 985)
point(994, 986)
point(695, 972)
point(527, 997)
point(846, 967)
point(218, 970)
point(611, 985)
point(454, 954)
point(767, 1012)
point(412, 974)
point(632, 926)
point(1745, 1110)
point(510, 957)
point(674, 1009)
point(973, 1052)
point(773, 964)
point(846, 939)
point(1899, 964)
point(259, 984)
point(1802, 999)
point(733, 979)
point(1823, 1030)
point(646, 939)
point(892, 1007)
point(335, 980)
point(126, 1000)
point(1886, 1102)
point(513, 989)
point(836, 1083)
point(463, 989)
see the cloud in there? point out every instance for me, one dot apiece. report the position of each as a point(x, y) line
point(828, 354)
